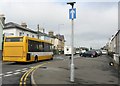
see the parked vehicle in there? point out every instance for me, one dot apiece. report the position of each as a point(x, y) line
point(81, 52)
point(99, 52)
point(104, 52)
point(91, 53)
point(77, 51)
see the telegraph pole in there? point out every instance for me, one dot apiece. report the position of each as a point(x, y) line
point(72, 16)
point(38, 30)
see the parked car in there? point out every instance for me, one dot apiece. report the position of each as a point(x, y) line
point(104, 52)
point(91, 53)
point(99, 52)
point(77, 52)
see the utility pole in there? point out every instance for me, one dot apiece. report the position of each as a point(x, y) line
point(59, 27)
point(38, 30)
point(72, 16)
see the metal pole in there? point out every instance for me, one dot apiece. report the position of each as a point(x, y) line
point(38, 30)
point(72, 58)
point(72, 45)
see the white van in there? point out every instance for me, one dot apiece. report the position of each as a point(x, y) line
point(104, 52)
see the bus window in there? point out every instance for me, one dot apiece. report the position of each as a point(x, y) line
point(46, 47)
point(14, 39)
point(40, 46)
point(34, 46)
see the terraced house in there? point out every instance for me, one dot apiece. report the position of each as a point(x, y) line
point(114, 45)
point(14, 29)
point(2, 19)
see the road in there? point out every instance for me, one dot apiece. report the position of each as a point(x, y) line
point(12, 72)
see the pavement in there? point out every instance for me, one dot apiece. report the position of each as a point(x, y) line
point(87, 71)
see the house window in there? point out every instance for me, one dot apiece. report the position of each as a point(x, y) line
point(33, 36)
point(20, 33)
point(27, 34)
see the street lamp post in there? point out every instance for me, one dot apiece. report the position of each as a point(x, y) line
point(59, 28)
point(60, 47)
point(38, 34)
point(72, 45)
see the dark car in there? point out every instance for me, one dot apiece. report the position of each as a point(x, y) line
point(89, 54)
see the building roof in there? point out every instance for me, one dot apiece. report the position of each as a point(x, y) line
point(11, 25)
point(60, 37)
point(118, 31)
point(1, 23)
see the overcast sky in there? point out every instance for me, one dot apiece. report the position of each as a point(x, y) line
point(96, 22)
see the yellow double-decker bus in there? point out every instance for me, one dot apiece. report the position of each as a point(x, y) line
point(26, 49)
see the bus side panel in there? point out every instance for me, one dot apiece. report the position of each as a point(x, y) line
point(45, 57)
point(41, 55)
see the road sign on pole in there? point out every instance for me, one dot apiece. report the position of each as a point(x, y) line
point(72, 16)
point(72, 13)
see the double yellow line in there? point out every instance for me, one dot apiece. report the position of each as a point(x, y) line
point(25, 75)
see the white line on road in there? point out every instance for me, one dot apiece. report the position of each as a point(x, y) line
point(17, 70)
point(9, 72)
point(24, 68)
point(24, 71)
point(8, 75)
point(1, 74)
point(31, 67)
point(16, 73)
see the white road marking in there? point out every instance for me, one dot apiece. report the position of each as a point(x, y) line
point(24, 71)
point(31, 67)
point(16, 73)
point(9, 72)
point(17, 70)
point(1, 74)
point(24, 68)
point(8, 75)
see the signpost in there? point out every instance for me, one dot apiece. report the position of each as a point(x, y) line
point(72, 16)
point(72, 13)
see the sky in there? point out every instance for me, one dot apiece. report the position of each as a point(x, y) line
point(96, 20)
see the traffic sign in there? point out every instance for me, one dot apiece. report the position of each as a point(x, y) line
point(72, 13)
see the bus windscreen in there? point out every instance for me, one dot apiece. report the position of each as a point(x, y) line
point(20, 39)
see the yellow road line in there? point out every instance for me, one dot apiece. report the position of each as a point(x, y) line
point(24, 77)
point(32, 70)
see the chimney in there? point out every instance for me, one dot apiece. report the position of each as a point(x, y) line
point(23, 24)
point(51, 33)
point(2, 18)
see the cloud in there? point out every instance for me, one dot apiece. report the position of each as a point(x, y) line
point(95, 22)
